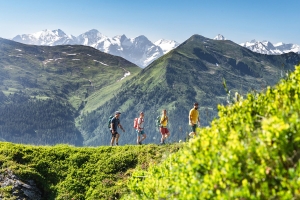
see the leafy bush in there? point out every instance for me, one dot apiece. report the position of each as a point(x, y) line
point(250, 152)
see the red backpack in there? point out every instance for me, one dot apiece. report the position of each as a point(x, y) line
point(135, 123)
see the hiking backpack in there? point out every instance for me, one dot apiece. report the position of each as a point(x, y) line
point(157, 122)
point(109, 121)
point(135, 123)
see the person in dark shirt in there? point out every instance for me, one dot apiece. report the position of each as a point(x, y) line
point(115, 123)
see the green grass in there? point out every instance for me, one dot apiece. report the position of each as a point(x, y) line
point(66, 172)
point(101, 96)
point(251, 152)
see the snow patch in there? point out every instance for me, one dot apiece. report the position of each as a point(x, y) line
point(127, 73)
point(100, 62)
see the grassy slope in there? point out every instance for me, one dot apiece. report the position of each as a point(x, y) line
point(66, 172)
point(60, 73)
point(251, 152)
point(187, 74)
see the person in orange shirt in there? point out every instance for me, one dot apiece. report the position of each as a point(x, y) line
point(194, 120)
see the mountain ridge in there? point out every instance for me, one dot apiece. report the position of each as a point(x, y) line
point(266, 47)
point(45, 88)
point(89, 83)
point(138, 50)
point(194, 71)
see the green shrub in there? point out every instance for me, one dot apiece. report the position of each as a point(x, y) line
point(250, 152)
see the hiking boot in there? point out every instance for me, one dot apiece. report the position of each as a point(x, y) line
point(117, 144)
point(140, 143)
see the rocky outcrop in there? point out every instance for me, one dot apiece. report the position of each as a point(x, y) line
point(16, 188)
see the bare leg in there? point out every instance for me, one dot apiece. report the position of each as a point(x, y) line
point(144, 137)
point(117, 139)
point(112, 141)
point(162, 138)
point(166, 136)
point(192, 134)
point(138, 139)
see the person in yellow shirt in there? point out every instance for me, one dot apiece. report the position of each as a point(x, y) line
point(163, 128)
point(194, 120)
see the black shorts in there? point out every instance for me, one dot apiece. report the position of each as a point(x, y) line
point(114, 134)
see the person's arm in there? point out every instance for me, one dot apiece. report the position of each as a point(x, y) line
point(121, 127)
point(191, 122)
point(112, 127)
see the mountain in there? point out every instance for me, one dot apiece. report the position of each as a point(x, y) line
point(266, 47)
point(194, 71)
point(138, 50)
point(45, 88)
point(46, 37)
point(66, 93)
point(166, 45)
point(219, 37)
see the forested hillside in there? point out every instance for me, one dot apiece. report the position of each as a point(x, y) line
point(70, 91)
point(192, 72)
point(43, 89)
point(50, 121)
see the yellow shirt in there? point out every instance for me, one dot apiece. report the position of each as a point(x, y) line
point(194, 115)
point(163, 123)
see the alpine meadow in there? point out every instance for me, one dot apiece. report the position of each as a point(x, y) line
point(55, 103)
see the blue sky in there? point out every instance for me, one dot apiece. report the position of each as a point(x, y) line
point(237, 20)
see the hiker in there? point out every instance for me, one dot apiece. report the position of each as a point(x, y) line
point(115, 123)
point(163, 127)
point(194, 120)
point(140, 129)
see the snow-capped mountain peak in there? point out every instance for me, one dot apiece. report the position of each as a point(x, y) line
point(139, 50)
point(166, 45)
point(91, 38)
point(219, 37)
point(45, 37)
point(266, 47)
point(120, 37)
point(279, 44)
